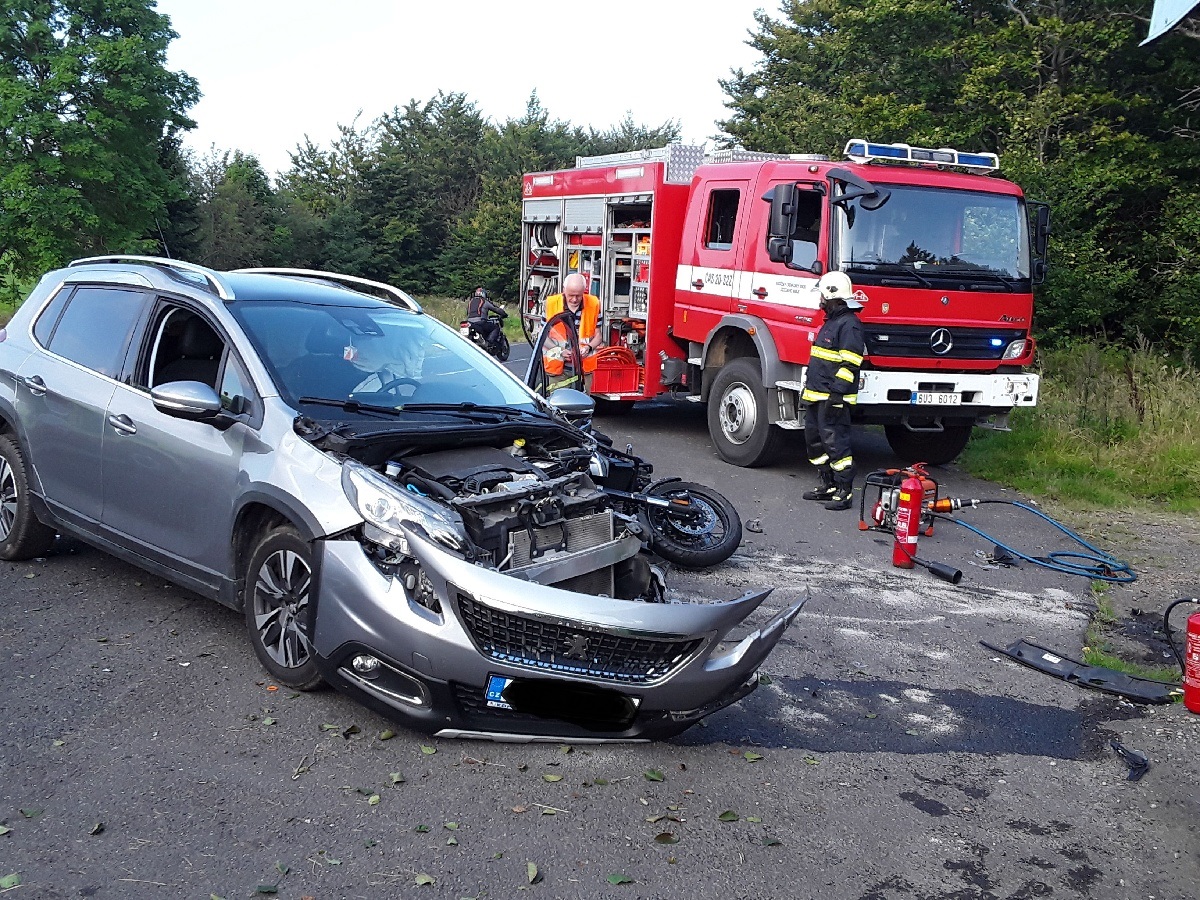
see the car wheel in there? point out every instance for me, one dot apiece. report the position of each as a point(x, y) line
point(277, 595)
point(22, 536)
point(737, 416)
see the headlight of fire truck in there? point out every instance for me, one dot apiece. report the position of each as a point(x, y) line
point(1015, 349)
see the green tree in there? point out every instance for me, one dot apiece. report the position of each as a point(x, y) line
point(427, 172)
point(483, 246)
point(86, 103)
point(1080, 114)
point(239, 220)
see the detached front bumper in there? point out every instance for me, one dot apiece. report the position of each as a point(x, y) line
point(559, 664)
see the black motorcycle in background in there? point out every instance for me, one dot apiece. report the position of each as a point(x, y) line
point(483, 311)
point(499, 348)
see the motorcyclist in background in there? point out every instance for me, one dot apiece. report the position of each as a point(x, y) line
point(480, 310)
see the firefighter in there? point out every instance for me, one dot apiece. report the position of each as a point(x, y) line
point(480, 310)
point(585, 308)
point(830, 388)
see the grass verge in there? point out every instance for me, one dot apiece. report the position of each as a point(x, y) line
point(1113, 426)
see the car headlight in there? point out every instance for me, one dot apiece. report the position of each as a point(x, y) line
point(389, 508)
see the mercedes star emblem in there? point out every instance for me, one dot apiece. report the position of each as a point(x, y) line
point(941, 341)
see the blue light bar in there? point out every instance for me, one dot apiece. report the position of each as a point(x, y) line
point(865, 152)
point(997, 342)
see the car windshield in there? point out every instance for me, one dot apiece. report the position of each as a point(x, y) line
point(373, 355)
point(935, 232)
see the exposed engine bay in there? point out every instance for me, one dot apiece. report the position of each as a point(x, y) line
point(529, 507)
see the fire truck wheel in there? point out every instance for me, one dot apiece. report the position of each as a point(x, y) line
point(737, 416)
point(933, 447)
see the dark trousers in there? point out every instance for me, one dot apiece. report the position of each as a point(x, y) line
point(487, 328)
point(827, 436)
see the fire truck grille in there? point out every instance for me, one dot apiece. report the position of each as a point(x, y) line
point(927, 341)
point(524, 641)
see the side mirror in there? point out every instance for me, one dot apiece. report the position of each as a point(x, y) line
point(1039, 271)
point(1041, 228)
point(190, 400)
point(575, 405)
point(869, 196)
point(782, 222)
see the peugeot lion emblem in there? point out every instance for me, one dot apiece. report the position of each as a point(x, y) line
point(941, 341)
point(578, 648)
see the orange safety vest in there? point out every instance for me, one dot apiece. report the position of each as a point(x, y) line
point(588, 320)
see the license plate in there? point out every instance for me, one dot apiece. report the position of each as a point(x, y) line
point(494, 694)
point(930, 398)
point(464, 330)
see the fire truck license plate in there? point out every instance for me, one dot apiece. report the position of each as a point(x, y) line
point(929, 398)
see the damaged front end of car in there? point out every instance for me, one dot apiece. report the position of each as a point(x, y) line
point(494, 591)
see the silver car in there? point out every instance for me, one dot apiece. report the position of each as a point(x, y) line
point(396, 514)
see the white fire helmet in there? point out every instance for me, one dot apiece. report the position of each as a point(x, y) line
point(837, 286)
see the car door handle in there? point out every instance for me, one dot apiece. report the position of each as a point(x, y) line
point(760, 293)
point(698, 284)
point(36, 386)
point(123, 424)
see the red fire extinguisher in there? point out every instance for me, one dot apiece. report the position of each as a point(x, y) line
point(908, 523)
point(1191, 664)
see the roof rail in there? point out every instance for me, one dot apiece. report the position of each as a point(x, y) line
point(351, 282)
point(211, 278)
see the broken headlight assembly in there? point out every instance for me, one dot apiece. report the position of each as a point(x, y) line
point(388, 510)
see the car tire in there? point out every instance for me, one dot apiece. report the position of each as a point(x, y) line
point(278, 610)
point(22, 535)
point(737, 416)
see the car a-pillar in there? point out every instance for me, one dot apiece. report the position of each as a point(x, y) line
point(740, 361)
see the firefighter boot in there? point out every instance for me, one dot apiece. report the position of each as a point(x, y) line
point(839, 499)
point(823, 491)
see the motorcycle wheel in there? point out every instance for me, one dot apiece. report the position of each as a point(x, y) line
point(706, 535)
point(502, 347)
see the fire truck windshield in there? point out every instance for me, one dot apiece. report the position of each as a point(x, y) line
point(928, 233)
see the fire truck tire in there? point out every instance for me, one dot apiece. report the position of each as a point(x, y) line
point(933, 447)
point(737, 416)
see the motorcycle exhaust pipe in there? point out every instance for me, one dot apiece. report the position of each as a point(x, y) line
point(940, 570)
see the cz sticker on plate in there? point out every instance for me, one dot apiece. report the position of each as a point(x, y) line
point(494, 694)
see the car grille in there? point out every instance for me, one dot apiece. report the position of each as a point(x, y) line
point(528, 642)
point(917, 341)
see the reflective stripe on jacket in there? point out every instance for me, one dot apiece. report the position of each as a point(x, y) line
point(835, 358)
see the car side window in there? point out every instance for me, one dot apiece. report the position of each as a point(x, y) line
point(808, 230)
point(235, 389)
point(43, 328)
point(185, 348)
point(95, 328)
point(722, 218)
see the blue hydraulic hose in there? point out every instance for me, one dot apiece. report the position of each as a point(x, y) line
point(1096, 565)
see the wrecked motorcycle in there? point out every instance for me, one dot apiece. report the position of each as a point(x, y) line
point(685, 523)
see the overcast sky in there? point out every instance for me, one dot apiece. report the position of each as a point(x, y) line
point(274, 71)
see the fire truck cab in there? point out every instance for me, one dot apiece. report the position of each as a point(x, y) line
point(706, 268)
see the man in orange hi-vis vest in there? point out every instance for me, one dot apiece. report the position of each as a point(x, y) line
point(585, 308)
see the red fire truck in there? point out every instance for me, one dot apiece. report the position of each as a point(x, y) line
point(706, 267)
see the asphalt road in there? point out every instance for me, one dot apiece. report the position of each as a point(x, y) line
point(886, 755)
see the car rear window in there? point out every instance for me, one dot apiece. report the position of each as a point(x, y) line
point(95, 328)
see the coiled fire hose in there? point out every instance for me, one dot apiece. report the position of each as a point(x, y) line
point(1095, 564)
